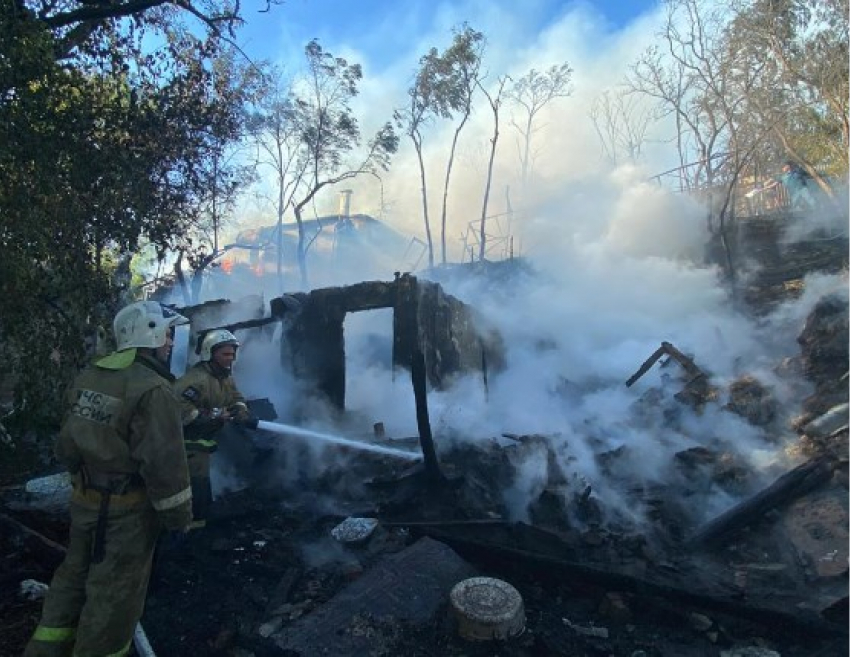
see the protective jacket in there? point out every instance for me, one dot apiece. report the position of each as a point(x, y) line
point(121, 438)
point(204, 390)
point(123, 430)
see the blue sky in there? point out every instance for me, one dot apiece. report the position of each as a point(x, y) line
point(384, 29)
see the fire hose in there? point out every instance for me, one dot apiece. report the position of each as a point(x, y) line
point(141, 643)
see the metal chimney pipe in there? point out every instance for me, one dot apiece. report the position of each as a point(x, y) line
point(345, 203)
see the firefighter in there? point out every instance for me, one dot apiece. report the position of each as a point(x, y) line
point(122, 441)
point(210, 401)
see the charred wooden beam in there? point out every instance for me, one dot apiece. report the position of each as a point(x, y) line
point(249, 324)
point(647, 364)
point(667, 348)
point(687, 363)
point(787, 488)
point(486, 545)
point(286, 304)
point(426, 440)
point(368, 295)
point(44, 548)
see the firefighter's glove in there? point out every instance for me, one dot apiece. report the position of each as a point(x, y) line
point(205, 425)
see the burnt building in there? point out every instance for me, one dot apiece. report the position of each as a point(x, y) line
point(428, 324)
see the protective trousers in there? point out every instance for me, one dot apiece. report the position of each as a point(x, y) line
point(199, 474)
point(91, 609)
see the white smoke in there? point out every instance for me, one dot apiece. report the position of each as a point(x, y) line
point(611, 286)
point(619, 267)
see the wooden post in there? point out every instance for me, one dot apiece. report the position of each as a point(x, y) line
point(417, 372)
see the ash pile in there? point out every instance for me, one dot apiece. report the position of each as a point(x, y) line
point(689, 513)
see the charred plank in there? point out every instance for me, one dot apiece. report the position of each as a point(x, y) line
point(787, 488)
point(682, 585)
point(691, 368)
point(46, 550)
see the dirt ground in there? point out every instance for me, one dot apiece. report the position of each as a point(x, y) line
point(212, 594)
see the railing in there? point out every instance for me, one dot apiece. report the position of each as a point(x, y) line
point(499, 242)
point(684, 181)
point(748, 197)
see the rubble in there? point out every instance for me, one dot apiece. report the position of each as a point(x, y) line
point(407, 587)
point(752, 400)
point(824, 354)
point(598, 632)
point(340, 569)
point(354, 530)
point(696, 389)
point(33, 590)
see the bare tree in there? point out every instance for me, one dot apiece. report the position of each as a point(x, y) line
point(622, 122)
point(200, 247)
point(275, 133)
point(221, 175)
point(438, 92)
point(412, 120)
point(461, 64)
point(532, 92)
point(495, 100)
point(675, 75)
point(330, 134)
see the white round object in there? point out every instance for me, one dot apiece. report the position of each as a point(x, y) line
point(486, 608)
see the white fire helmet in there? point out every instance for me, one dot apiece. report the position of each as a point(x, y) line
point(144, 324)
point(214, 339)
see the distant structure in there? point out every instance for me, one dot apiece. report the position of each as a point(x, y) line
point(342, 246)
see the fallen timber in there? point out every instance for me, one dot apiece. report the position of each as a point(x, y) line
point(790, 486)
point(692, 583)
point(49, 551)
point(691, 368)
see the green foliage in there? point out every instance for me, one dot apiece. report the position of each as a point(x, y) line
point(752, 83)
point(443, 86)
point(101, 150)
point(222, 171)
point(802, 47)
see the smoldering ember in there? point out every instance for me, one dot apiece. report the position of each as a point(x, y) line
point(682, 491)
